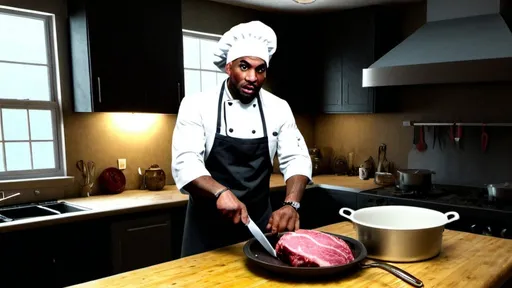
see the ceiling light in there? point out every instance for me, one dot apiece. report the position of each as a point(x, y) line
point(304, 1)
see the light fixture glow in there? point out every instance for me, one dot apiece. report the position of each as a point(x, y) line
point(304, 1)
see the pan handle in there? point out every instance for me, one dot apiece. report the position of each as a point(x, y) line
point(452, 213)
point(349, 216)
point(404, 276)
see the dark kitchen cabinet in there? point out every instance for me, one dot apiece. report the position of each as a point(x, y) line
point(292, 74)
point(351, 41)
point(126, 58)
point(54, 256)
point(141, 241)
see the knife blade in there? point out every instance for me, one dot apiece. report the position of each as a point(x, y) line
point(256, 232)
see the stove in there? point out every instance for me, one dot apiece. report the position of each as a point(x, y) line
point(477, 214)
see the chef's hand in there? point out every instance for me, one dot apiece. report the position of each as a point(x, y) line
point(231, 207)
point(284, 218)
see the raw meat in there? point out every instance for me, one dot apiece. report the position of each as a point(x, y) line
point(309, 248)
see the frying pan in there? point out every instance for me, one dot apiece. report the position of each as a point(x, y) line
point(259, 256)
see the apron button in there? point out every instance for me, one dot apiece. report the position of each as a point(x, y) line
point(253, 105)
point(230, 130)
point(253, 131)
point(274, 133)
point(230, 103)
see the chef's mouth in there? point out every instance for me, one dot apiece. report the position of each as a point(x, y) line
point(248, 89)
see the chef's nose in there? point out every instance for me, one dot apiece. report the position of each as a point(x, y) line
point(250, 76)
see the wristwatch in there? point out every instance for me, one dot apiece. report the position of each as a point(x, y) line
point(294, 204)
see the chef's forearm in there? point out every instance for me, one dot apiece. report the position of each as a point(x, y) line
point(295, 187)
point(204, 186)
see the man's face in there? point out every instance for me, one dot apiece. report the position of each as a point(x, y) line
point(247, 75)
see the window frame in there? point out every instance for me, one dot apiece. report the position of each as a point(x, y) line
point(54, 105)
point(206, 36)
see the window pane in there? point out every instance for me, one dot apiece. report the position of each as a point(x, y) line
point(22, 39)
point(2, 168)
point(18, 156)
point(191, 52)
point(19, 81)
point(207, 49)
point(41, 125)
point(192, 82)
point(208, 80)
point(15, 124)
point(221, 77)
point(43, 155)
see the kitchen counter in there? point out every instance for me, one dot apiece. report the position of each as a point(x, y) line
point(130, 201)
point(467, 260)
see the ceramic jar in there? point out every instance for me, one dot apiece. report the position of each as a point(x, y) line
point(154, 178)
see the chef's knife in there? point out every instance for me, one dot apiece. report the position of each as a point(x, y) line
point(256, 232)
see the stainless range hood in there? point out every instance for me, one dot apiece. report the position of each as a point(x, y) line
point(462, 41)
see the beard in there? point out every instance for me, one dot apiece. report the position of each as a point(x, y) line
point(243, 91)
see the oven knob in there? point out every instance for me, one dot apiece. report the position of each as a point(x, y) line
point(473, 229)
point(488, 231)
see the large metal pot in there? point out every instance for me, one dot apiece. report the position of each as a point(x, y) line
point(400, 233)
point(414, 179)
point(500, 192)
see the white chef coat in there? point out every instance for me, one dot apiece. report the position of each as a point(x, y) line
point(195, 130)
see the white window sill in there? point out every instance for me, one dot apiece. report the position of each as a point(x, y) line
point(36, 183)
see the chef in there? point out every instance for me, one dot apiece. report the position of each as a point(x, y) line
point(224, 143)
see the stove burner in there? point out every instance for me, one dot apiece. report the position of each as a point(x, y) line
point(446, 194)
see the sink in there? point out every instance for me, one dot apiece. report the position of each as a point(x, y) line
point(63, 207)
point(25, 212)
point(38, 210)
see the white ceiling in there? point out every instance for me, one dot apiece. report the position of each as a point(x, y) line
point(292, 6)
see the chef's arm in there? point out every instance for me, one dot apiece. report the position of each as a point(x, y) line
point(294, 159)
point(188, 148)
point(295, 187)
point(204, 186)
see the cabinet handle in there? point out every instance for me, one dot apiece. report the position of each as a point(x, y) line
point(99, 89)
point(148, 227)
point(345, 93)
point(179, 93)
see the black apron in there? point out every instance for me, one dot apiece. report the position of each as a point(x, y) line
point(245, 167)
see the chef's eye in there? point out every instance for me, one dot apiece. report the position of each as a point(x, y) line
point(243, 66)
point(261, 69)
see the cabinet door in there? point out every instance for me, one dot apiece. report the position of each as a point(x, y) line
point(358, 53)
point(140, 242)
point(116, 46)
point(163, 56)
point(332, 68)
point(126, 58)
point(27, 257)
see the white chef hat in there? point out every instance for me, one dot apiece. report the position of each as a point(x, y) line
point(247, 39)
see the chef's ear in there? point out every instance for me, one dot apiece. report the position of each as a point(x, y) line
point(228, 68)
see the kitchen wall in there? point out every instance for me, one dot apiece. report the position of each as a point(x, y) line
point(143, 139)
point(363, 133)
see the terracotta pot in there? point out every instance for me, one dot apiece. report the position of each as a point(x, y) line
point(154, 178)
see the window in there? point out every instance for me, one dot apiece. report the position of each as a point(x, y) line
point(200, 72)
point(30, 113)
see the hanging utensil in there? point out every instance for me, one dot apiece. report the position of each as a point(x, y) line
point(458, 136)
point(421, 146)
point(484, 139)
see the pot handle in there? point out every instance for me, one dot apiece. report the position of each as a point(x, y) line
point(452, 213)
point(349, 216)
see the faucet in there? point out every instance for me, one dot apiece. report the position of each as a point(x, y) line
point(10, 196)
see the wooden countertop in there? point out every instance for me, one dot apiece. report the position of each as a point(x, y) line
point(130, 201)
point(467, 260)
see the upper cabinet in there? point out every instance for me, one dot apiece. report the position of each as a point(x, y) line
point(126, 58)
point(319, 62)
point(352, 40)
